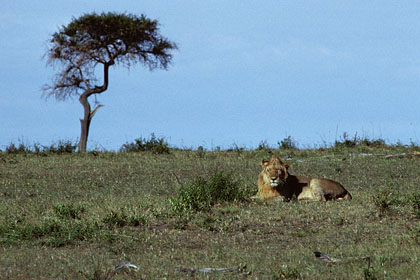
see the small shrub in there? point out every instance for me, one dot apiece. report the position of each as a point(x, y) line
point(371, 143)
point(288, 273)
point(415, 203)
point(118, 219)
point(66, 211)
point(154, 145)
point(62, 147)
point(65, 233)
point(345, 142)
point(20, 149)
point(136, 220)
point(200, 152)
point(263, 146)
point(98, 274)
point(201, 194)
point(121, 219)
point(51, 232)
point(235, 148)
point(369, 272)
point(287, 143)
point(383, 200)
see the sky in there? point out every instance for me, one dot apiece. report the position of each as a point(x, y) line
point(244, 72)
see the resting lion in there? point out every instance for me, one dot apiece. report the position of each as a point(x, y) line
point(275, 182)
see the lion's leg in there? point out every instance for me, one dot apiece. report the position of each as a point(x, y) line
point(306, 194)
point(267, 197)
point(280, 198)
point(347, 196)
point(316, 188)
point(268, 193)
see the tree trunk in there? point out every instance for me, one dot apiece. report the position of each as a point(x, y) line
point(88, 113)
point(84, 123)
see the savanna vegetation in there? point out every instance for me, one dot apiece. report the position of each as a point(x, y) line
point(172, 212)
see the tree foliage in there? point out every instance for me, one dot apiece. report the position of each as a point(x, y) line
point(106, 39)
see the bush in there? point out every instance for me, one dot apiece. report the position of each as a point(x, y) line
point(154, 145)
point(287, 273)
point(415, 203)
point(345, 142)
point(372, 143)
point(51, 232)
point(287, 143)
point(264, 146)
point(201, 194)
point(235, 148)
point(21, 149)
point(62, 147)
point(121, 219)
point(384, 199)
point(66, 211)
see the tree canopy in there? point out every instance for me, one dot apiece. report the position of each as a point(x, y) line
point(107, 39)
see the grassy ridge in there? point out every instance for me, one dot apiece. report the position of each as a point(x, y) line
point(74, 216)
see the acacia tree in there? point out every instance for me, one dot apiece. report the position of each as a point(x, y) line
point(102, 40)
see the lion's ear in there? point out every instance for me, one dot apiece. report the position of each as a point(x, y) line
point(264, 163)
point(286, 164)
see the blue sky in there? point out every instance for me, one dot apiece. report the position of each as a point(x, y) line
point(245, 72)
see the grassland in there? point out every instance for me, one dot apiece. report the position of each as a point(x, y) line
point(75, 216)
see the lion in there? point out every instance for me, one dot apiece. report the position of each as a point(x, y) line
point(275, 182)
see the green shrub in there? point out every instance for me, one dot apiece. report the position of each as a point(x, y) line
point(369, 272)
point(235, 148)
point(201, 194)
point(59, 234)
point(72, 211)
point(200, 152)
point(286, 272)
point(263, 146)
point(154, 145)
point(287, 143)
point(415, 203)
point(62, 147)
point(121, 219)
point(51, 232)
point(371, 143)
point(345, 142)
point(384, 199)
point(20, 149)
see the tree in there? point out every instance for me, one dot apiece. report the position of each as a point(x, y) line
point(103, 40)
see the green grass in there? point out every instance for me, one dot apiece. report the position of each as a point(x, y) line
point(75, 216)
point(203, 193)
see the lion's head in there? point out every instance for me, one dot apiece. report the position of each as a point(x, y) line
point(274, 171)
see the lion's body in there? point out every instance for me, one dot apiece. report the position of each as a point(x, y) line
point(274, 182)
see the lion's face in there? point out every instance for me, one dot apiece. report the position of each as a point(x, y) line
point(275, 171)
